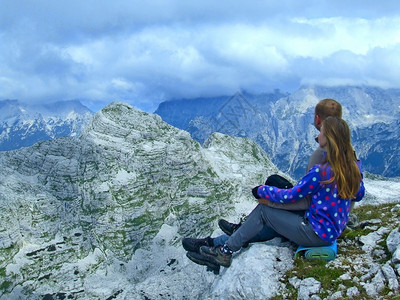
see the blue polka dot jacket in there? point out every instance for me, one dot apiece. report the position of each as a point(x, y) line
point(327, 213)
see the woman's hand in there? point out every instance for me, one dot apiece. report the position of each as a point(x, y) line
point(264, 201)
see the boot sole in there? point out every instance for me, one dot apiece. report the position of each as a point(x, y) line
point(202, 260)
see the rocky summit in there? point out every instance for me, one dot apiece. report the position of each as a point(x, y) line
point(102, 216)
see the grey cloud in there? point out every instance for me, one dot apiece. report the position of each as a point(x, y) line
point(144, 52)
point(378, 67)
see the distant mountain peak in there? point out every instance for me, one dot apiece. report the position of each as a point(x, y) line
point(22, 124)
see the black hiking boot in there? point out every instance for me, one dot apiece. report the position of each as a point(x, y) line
point(193, 245)
point(228, 228)
point(202, 260)
point(216, 255)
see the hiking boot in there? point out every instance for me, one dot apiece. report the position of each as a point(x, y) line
point(204, 261)
point(193, 245)
point(216, 255)
point(228, 228)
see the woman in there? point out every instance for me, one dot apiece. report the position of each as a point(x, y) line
point(332, 185)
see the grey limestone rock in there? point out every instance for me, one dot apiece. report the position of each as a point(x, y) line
point(376, 285)
point(393, 240)
point(390, 276)
point(254, 273)
point(352, 292)
point(308, 287)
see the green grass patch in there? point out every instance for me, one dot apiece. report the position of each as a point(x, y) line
point(382, 212)
point(2, 272)
point(5, 285)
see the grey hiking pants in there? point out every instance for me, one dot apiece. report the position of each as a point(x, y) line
point(289, 224)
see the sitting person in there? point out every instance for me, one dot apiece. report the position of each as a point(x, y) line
point(332, 185)
point(324, 108)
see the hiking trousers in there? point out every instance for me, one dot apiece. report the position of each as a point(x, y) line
point(292, 225)
point(264, 235)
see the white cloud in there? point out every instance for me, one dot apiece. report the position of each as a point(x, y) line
point(145, 52)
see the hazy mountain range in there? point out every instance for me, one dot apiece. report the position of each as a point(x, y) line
point(282, 123)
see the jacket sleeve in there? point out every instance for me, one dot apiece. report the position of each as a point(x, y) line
point(298, 205)
point(360, 193)
point(304, 187)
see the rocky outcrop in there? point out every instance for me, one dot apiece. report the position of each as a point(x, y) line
point(106, 194)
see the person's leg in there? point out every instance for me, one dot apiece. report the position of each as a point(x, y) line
point(288, 224)
point(193, 244)
point(266, 234)
point(222, 254)
point(248, 231)
point(220, 240)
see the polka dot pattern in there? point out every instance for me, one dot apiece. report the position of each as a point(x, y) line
point(328, 213)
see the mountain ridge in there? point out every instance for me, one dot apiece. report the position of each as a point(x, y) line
point(282, 126)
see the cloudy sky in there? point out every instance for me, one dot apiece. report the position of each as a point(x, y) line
point(144, 52)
